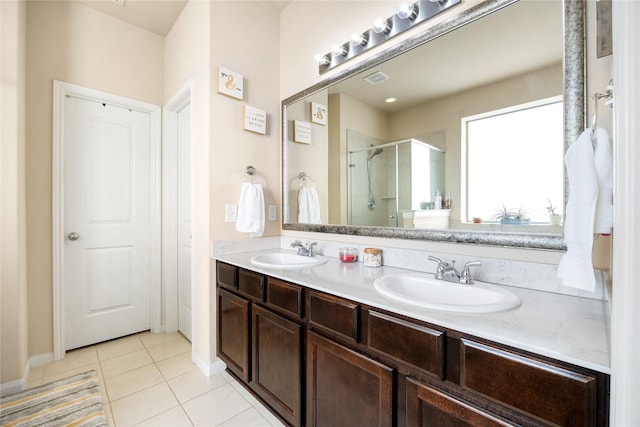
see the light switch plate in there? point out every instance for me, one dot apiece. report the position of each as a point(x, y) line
point(230, 213)
point(272, 213)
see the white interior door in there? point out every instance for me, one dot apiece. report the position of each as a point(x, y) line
point(184, 220)
point(109, 221)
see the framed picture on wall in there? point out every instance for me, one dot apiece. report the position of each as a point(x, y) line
point(230, 83)
point(254, 119)
point(302, 132)
point(318, 113)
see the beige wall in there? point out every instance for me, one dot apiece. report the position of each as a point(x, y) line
point(13, 259)
point(255, 56)
point(182, 65)
point(73, 43)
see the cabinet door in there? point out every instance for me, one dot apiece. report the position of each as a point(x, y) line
point(233, 333)
point(345, 388)
point(277, 363)
point(427, 406)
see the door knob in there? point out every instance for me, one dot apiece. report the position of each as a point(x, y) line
point(73, 236)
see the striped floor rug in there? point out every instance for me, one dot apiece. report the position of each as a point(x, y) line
point(73, 401)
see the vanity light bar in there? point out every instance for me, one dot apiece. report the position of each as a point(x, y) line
point(408, 16)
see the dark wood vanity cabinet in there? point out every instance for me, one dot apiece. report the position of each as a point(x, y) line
point(277, 362)
point(346, 388)
point(233, 333)
point(321, 360)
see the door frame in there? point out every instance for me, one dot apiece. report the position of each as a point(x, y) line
point(170, 290)
point(60, 91)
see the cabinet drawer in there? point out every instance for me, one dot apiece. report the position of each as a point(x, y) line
point(226, 275)
point(555, 394)
point(337, 315)
point(409, 342)
point(428, 406)
point(284, 297)
point(251, 284)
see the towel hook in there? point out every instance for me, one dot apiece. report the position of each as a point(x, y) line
point(251, 170)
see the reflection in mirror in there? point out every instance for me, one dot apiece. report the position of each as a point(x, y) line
point(406, 168)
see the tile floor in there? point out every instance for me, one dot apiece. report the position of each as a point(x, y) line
point(149, 380)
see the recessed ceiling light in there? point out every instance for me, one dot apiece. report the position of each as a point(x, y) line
point(390, 100)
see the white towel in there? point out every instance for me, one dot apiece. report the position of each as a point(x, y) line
point(576, 266)
point(604, 204)
point(251, 209)
point(308, 206)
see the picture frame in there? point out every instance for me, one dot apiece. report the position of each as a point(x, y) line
point(230, 83)
point(318, 113)
point(302, 132)
point(254, 119)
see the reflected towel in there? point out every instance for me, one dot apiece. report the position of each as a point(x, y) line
point(604, 205)
point(251, 209)
point(576, 266)
point(308, 206)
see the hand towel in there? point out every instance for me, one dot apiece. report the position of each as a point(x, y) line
point(251, 209)
point(602, 163)
point(576, 266)
point(308, 206)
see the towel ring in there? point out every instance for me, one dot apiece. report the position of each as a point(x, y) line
point(608, 94)
point(251, 175)
point(304, 177)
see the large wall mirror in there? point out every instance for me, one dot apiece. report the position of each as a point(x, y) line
point(470, 151)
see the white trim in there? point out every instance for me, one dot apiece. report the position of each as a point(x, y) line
point(209, 369)
point(60, 90)
point(16, 385)
point(41, 359)
point(625, 320)
point(183, 97)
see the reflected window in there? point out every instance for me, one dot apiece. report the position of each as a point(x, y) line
point(514, 162)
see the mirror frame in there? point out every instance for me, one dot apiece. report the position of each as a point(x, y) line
point(574, 124)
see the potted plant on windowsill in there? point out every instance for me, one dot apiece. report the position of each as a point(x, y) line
point(512, 216)
point(554, 218)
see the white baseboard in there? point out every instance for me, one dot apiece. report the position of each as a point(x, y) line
point(41, 359)
point(20, 384)
point(209, 368)
point(13, 386)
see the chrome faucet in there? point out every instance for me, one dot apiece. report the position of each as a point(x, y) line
point(448, 272)
point(304, 249)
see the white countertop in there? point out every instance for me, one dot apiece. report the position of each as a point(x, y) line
point(566, 328)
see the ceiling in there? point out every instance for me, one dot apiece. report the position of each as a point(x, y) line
point(515, 40)
point(157, 16)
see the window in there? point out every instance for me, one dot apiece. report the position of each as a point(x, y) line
point(514, 160)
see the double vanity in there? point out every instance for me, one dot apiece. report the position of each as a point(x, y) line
point(325, 343)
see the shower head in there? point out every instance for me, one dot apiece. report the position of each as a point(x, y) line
point(375, 153)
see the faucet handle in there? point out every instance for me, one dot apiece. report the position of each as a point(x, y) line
point(442, 266)
point(465, 276)
point(310, 248)
point(296, 243)
point(436, 259)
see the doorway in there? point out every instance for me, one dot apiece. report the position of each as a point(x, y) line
point(106, 217)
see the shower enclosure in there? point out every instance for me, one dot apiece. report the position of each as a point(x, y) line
point(388, 179)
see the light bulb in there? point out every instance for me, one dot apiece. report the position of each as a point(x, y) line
point(358, 39)
point(381, 26)
point(321, 59)
point(338, 50)
point(407, 10)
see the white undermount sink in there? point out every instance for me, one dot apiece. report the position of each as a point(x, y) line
point(423, 290)
point(286, 261)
